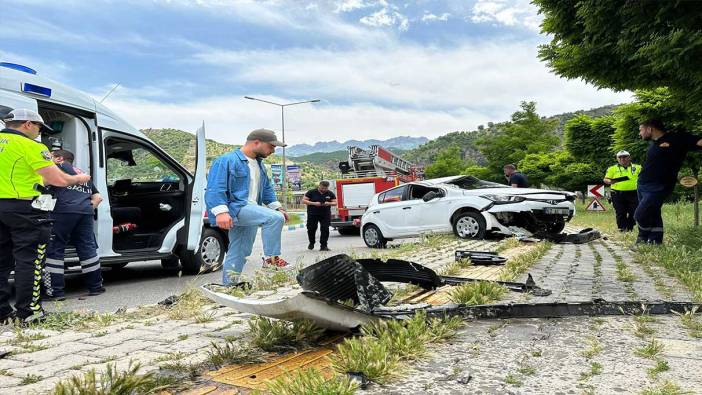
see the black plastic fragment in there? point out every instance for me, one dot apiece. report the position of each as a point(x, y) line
point(480, 257)
point(395, 270)
point(584, 236)
point(359, 378)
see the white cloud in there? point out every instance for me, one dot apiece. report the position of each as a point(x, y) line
point(429, 17)
point(385, 18)
point(351, 5)
point(507, 12)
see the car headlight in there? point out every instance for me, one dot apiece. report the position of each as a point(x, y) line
point(504, 199)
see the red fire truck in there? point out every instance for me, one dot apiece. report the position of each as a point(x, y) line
point(366, 173)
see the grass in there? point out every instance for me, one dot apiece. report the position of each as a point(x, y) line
point(519, 264)
point(593, 349)
point(527, 370)
point(31, 379)
point(311, 381)
point(679, 254)
point(665, 388)
point(386, 345)
point(641, 328)
point(513, 380)
point(112, 381)
point(233, 352)
point(294, 219)
point(477, 293)
point(595, 369)
point(278, 335)
point(660, 367)
point(691, 321)
point(650, 350)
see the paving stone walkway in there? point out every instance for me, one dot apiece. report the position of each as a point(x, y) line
point(518, 356)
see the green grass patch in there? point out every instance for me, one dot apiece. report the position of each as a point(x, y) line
point(512, 379)
point(519, 264)
point(233, 352)
point(594, 348)
point(660, 367)
point(278, 335)
point(595, 369)
point(665, 388)
point(112, 381)
point(311, 381)
point(31, 379)
point(692, 322)
point(476, 293)
point(650, 350)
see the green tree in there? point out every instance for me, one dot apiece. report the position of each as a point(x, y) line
point(628, 44)
point(447, 163)
point(589, 140)
point(527, 133)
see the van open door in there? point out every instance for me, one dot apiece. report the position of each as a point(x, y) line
point(195, 212)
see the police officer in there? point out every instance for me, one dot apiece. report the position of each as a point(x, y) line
point(622, 179)
point(659, 174)
point(25, 165)
point(73, 221)
point(319, 202)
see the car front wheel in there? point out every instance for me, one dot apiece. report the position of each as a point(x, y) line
point(373, 237)
point(470, 225)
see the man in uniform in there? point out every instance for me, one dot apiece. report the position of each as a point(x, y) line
point(240, 198)
point(659, 174)
point(622, 179)
point(515, 179)
point(73, 221)
point(25, 165)
point(319, 202)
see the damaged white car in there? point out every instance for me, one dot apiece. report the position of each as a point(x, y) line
point(466, 205)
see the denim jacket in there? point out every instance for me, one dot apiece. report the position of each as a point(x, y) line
point(228, 185)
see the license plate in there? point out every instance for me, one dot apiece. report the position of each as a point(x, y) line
point(556, 210)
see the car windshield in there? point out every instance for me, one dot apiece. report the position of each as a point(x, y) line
point(470, 182)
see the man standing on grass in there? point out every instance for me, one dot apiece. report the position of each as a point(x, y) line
point(240, 198)
point(319, 202)
point(659, 174)
point(622, 179)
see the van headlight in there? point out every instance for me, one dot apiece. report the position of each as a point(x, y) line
point(504, 199)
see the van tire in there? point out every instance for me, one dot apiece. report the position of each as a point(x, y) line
point(373, 237)
point(470, 225)
point(209, 256)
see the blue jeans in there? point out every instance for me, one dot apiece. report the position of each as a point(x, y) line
point(648, 213)
point(243, 235)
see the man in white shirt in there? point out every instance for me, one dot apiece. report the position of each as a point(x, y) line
point(240, 198)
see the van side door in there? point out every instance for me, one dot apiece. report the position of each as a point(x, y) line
point(195, 191)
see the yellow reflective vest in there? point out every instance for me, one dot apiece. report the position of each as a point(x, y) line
point(20, 158)
point(618, 171)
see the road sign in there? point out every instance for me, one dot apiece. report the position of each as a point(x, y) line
point(597, 191)
point(595, 205)
point(688, 181)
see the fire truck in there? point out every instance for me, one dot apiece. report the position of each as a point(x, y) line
point(365, 173)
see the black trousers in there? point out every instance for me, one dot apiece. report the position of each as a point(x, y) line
point(323, 221)
point(24, 235)
point(625, 203)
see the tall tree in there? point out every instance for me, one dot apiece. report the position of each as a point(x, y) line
point(448, 163)
point(627, 44)
point(527, 133)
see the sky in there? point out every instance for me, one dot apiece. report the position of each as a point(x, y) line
point(380, 68)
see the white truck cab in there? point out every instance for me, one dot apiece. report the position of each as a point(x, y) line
point(153, 207)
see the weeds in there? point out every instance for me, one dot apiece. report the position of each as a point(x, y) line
point(595, 369)
point(274, 335)
point(690, 320)
point(113, 382)
point(311, 381)
point(641, 328)
point(665, 388)
point(31, 379)
point(594, 348)
point(477, 293)
point(513, 380)
point(521, 263)
point(527, 370)
point(233, 353)
point(369, 356)
point(660, 367)
point(650, 350)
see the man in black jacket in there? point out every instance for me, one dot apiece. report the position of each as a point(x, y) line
point(319, 202)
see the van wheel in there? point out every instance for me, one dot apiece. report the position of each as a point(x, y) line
point(470, 225)
point(373, 237)
point(209, 256)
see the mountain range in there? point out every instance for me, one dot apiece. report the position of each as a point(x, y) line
point(401, 142)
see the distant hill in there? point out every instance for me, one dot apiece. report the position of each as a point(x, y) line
point(402, 143)
point(465, 140)
point(181, 146)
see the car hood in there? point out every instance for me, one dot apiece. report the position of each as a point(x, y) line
point(455, 181)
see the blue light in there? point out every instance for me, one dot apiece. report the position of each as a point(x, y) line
point(36, 89)
point(18, 67)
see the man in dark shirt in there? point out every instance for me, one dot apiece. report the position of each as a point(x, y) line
point(319, 202)
point(73, 221)
point(659, 174)
point(515, 179)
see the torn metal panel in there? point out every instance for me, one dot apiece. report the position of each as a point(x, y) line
point(528, 286)
point(544, 310)
point(480, 257)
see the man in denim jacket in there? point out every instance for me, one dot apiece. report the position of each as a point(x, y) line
point(240, 198)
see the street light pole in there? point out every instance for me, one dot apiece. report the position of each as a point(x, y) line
point(282, 124)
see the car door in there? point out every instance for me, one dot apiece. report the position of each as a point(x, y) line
point(195, 211)
point(390, 212)
point(424, 216)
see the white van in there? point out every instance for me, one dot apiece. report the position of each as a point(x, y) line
point(153, 207)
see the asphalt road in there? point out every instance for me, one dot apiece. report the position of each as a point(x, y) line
point(147, 282)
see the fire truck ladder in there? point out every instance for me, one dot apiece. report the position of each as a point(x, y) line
point(376, 162)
